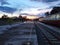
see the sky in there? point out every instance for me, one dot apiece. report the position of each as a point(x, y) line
point(31, 6)
point(32, 3)
point(26, 4)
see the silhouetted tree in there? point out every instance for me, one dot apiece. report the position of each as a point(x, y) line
point(55, 10)
point(47, 14)
point(20, 16)
point(4, 16)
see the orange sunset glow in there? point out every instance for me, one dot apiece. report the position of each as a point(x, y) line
point(32, 17)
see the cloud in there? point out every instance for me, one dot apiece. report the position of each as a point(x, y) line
point(3, 2)
point(26, 4)
point(51, 3)
point(35, 11)
point(31, 6)
point(45, 0)
point(55, 3)
point(21, 4)
point(49, 0)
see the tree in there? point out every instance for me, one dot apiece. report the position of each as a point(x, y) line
point(47, 14)
point(20, 16)
point(4, 16)
point(55, 10)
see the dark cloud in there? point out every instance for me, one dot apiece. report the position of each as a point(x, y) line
point(45, 0)
point(49, 0)
point(3, 2)
point(59, 4)
point(7, 9)
point(35, 0)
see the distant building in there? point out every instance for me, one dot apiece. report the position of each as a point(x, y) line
point(53, 17)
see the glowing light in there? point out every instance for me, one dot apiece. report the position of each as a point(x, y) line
point(32, 17)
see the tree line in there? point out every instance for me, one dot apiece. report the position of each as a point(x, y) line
point(9, 20)
point(53, 11)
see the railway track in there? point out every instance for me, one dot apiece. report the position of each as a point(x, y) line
point(47, 36)
point(23, 34)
